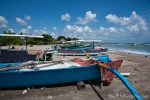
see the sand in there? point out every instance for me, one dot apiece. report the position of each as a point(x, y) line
point(137, 65)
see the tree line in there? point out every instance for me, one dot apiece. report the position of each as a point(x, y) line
point(48, 39)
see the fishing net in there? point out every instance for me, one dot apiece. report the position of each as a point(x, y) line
point(107, 75)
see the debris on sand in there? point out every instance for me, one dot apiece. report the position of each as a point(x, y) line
point(136, 81)
point(24, 91)
point(28, 88)
point(42, 88)
point(49, 97)
point(136, 69)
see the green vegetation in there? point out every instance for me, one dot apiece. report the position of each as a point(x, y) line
point(6, 40)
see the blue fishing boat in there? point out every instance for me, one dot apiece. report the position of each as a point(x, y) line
point(79, 52)
point(37, 73)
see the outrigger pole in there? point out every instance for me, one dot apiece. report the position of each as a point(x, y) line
point(26, 37)
point(121, 77)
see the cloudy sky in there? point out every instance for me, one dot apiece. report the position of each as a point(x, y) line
point(106, 20)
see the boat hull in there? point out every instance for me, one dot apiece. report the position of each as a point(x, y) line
point(47, 77)
point(80, 52)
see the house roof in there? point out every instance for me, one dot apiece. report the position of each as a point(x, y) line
point(62, 40)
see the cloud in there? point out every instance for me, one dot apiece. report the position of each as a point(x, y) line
point(116, 20)
point(53, 34)
point(3, 26)
point(85, 32)
point(27, 17)
point(133, 28)
point(11, 30)
point(54, 28)
point(45, 28)
point(134, 19)
point(29, 27)
point(111, 31)
point(25, 31)
point(3, 20)
point(77, 29)
point(41, 22)
point(89, 17)
point(103, 33)
point(40, 32)
point(134, 25)
point(146, 11)
point(20, 21)
point(65, 17)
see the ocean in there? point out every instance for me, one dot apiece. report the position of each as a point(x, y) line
point(143, 49)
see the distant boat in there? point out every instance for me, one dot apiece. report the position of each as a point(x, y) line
point(135, 44)
point(121, 43)
point(98, 44)
point(147, 44)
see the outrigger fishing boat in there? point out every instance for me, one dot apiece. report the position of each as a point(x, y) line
point(79, 52)
point(76, 70)
point(79, 44)
point(73, 45)
point(36, 73)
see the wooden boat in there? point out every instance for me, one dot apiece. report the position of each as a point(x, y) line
point(135, 44)
point(80, 52)
point(55, 72)
point(77, 44)
point(147, 44)
point(98, 44)
point(71, 47)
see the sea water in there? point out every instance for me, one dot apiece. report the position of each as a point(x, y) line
point(143, 49)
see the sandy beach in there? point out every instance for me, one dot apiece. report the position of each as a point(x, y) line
point(137, 65)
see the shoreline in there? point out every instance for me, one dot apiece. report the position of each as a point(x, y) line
point(129, 50)
point(137, 65)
